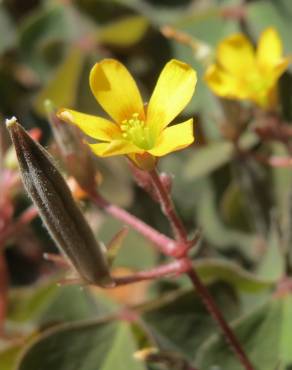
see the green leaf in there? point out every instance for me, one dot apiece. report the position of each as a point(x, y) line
point(26, 304)
point(83, 346)
point(211, 269)
point(265, 334)
point(183, 190)
point(233, 207)
point(282, 181)
point(136, 252)
point(7, 30)
point(48, 303)
point(123, 33)
point(215, 231)
point(42, 24)
point(8, 357)
point(180, 322)
point(46, 31)
point(286, 334)
point(263, 14)
point(209, 158)
point(272, 264)
point(115, 170)
point(73, 303)
point(113, 247)
point(61, 89)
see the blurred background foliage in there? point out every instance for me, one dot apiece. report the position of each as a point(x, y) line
point(242, 206)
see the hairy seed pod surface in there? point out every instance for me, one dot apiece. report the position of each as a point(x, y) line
point(62, 217)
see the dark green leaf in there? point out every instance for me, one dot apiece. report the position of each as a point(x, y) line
point(264, 333)
point(26, 304)
point(180, 321)
point(62, 87)
point(72, 303)
point(214, 155)
point(83, 346)
point(211, 270)
point(7, 30)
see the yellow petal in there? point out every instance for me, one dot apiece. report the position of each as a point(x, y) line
point(225, 84)
point(96, 127)
point(174, 138)
point(116, 147)
point(266, 97)
point(236, 54)
point(270, 48)
point(280, 68)
point(173, 91)
point(115, 90)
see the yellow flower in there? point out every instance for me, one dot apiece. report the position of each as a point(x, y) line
point(138, 131)
point(243, 73)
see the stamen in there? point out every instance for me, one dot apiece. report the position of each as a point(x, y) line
point(135, 130)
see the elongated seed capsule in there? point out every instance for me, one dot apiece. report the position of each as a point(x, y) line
point(56, 206)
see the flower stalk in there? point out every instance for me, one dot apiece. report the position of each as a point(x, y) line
point(168, 209)
point(24, 219)
point(177, 267)
point(162, 242)
point(211, 306)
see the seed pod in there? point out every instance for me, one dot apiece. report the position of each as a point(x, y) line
point(62, 217)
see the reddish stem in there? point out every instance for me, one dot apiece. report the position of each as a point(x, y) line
point(164, 244)
point(168, 208)
point(215, 312)
point(177, 267)
point(58, 260)
point(25, 218)
point(3, 291)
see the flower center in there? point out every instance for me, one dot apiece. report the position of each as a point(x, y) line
point(136, 131)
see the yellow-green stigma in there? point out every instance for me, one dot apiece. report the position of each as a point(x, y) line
point(136, 131)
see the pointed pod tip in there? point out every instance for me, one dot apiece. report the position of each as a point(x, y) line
point(9, 122)
point(65, 116)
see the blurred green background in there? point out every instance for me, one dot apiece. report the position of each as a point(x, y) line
point(242, 207)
